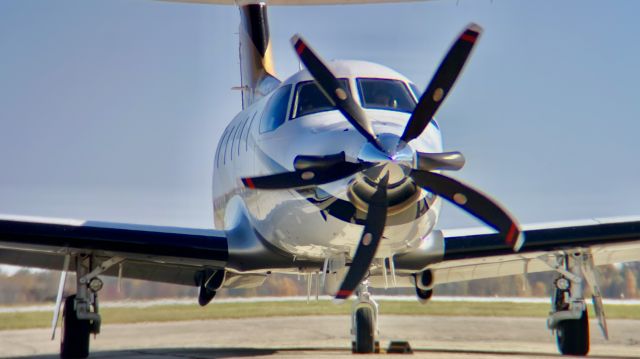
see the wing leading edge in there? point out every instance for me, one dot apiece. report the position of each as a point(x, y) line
point(164, 254)
point(471, 254)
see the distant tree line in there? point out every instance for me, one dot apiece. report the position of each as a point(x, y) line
point(29, 286)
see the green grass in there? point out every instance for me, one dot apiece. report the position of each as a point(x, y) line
point(165, 313)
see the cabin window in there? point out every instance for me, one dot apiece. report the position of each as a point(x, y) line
point(244, 124)
point(220, 144)
point(226, 146)
point(385, 94)
point(310, 99)
point(246, 137)
point(276, 109)
point(233, 141)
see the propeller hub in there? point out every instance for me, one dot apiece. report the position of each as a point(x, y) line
point(397, 158)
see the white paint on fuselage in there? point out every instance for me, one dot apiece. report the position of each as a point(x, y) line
point(287, 219)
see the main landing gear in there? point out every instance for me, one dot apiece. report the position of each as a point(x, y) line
point(424, 285)
point(209, 282)
point(81, 316)
point(568, 317)
point(364, 323)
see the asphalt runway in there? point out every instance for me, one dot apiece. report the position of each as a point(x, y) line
point(326, 337)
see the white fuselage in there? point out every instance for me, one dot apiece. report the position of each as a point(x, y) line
point(316, 223)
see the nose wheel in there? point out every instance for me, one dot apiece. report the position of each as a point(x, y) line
point(364, 323)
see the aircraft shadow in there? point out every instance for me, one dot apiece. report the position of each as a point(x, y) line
point(168, 353)
point(514, 353)
point(215, 353)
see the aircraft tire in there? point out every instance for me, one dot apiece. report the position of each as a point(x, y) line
point(424, 295)
point(572, 336)
point(75, 333)
point(365, 342)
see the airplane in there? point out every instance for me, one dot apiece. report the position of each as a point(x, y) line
point(337, 171)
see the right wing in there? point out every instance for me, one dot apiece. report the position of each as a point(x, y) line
point(479, 254)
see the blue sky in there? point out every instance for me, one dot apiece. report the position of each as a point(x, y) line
point(111, 110)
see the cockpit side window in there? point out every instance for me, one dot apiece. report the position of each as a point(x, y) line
point(275, 111)
point(385, 94)
point(310, 99)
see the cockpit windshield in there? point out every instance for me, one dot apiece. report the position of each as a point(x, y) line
point(385, 94)
point(309, 99)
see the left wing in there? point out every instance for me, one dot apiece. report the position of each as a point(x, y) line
point(478, 254)
point(163, 254)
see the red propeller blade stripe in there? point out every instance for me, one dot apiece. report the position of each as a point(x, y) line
point(469, 37)
point(343, 294)
point(248, 182)
point(300, 47)
point(511, 235)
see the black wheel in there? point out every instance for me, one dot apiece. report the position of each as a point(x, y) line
point(365, 342)
point(572, 336)
point(424, 295)
point(75, 332)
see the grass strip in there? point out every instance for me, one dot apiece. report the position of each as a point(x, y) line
point(167, 313)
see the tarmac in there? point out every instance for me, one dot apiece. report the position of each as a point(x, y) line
point(326, 337)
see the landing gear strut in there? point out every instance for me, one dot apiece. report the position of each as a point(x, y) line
point(364, 323)
point(568, 317)
point(81, 316)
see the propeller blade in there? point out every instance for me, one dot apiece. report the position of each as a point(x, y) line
point(303, 162)
point(450, 161)
point(474, 202)
point(441, 83)
point(371, 235)
point(306, 177)
point(332, 88)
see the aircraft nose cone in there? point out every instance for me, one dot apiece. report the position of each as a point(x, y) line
point(397, 158)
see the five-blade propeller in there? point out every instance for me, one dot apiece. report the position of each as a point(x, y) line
point(318, 170)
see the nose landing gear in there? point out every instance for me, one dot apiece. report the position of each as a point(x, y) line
point(364, 323)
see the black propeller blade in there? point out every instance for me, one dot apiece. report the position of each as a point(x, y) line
point(450, 161)
point(441, 83)
point(303, 162)
point(474, 202)
point(371, 235)
point(305, 177)
point(334, 91)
